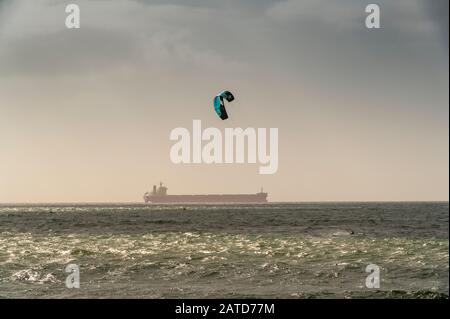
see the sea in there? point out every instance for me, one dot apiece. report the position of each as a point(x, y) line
point(274, 250)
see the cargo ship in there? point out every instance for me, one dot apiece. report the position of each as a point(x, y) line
point(159, 195)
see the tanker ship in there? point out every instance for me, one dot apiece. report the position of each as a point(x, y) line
point(159, 195)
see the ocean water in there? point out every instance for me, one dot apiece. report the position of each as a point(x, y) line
point(295, 250)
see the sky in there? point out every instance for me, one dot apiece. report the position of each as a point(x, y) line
point(86, 114)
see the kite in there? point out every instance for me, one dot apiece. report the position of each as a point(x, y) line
point(219, 104)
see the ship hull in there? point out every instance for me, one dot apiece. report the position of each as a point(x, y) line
point(219, 198)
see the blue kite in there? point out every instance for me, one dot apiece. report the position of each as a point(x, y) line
point(219, 104)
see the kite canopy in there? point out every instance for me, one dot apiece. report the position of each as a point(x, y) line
point(219, 104)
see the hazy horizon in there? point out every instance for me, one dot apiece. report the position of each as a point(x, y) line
point(211, 204)
point(85, 115)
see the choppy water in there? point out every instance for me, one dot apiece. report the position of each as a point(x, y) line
point(304, 250)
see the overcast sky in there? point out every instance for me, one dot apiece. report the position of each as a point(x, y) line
point(85, 115)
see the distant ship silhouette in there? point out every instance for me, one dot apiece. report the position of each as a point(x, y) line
point(159, 195)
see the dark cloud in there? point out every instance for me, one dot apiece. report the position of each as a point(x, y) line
point(5, 5)
point(64, 51)
point(230, 4)
point(438, 10)
point(309, 36)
